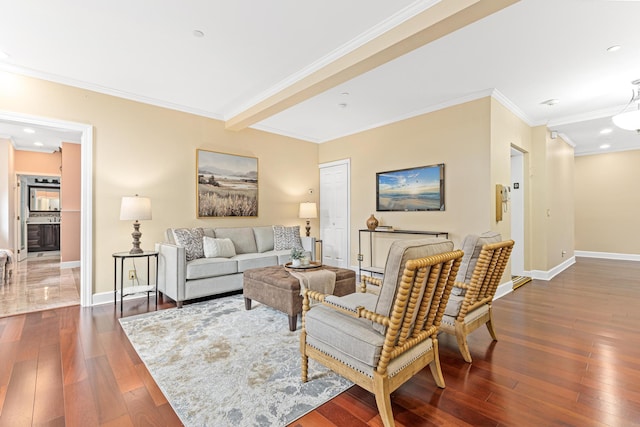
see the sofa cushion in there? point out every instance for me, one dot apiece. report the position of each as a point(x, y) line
point(472, 246)
point(191, 240)
point(210, 267)
point(264, 238)
point(214, 248)
point(242, 238)
point(286, 237)
point(255, 260)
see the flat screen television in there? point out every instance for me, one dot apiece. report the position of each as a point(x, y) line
point(414, 189)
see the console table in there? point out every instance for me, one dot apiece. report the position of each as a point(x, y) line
point(379, 270)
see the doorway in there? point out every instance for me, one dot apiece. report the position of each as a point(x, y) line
point(518, 201)
point(335, 212)
point(86, 204)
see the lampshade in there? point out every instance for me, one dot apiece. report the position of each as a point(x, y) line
point(308, 210)
point(135, 208)
point(628, 121)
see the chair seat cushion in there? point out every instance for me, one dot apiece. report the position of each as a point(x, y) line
point(353, 337)
point(352, 301)
point(470, 317)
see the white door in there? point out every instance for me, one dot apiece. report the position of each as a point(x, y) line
point(517, 212)
point(334, 213)
point(20, 219)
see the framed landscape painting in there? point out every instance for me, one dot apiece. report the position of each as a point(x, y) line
point(226, 185)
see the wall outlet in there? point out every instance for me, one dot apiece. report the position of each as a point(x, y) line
point(132, 275)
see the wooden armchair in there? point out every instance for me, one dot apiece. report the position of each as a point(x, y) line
point(469, 307)
point(379, 341)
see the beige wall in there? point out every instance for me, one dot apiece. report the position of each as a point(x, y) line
point(552, 182)
point(606, 202)
point(458, 136)
point(148, 150)
point(70, 183)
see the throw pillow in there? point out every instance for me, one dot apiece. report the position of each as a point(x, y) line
point(191, 240)
point(218, 248)
point(285, 238)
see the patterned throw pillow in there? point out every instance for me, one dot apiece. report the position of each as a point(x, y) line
point(218, 248)
point(285, 238)
point(191, 240)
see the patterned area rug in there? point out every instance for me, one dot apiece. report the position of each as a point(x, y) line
point(220, 365)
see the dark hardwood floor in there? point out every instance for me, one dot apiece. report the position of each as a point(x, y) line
point(568, 355)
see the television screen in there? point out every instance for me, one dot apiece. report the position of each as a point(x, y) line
point(414, 189)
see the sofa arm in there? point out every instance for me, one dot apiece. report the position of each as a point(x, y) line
point(172, 271)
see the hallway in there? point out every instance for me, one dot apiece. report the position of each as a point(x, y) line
point(38, 284)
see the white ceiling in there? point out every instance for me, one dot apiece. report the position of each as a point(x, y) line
point(527, 53)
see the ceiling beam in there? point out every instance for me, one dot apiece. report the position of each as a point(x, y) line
point(431, 24)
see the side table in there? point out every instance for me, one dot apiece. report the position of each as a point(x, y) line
point(131, 290)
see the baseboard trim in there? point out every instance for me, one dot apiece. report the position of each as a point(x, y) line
point(69, 264)
point(107, 297)
point(550, 274)
point(608, 255)
point(504, 289)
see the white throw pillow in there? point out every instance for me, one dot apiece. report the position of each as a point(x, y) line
point(218, 248)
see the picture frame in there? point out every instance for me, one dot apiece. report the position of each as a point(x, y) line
point(413, 189)
point(226, 185)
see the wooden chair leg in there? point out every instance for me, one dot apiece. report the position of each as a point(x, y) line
point(490, 326)
point(436, 369)
point(303, 353)
point(383, 399)
point(461, 337)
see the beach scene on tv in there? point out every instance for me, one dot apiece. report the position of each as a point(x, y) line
point(416, 189)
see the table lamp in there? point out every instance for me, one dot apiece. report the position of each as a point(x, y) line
point(135, 208)
point(307, 211)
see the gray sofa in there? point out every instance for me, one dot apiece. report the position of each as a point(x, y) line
point(182, 279)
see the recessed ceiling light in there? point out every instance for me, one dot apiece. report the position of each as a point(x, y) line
point(614, 48)
point(38, 144)
point(605, 146)
point(29, 130)
point(198, 33)
point(551, 102)
point(342, 105)
point(606, 131)
point(345, 94)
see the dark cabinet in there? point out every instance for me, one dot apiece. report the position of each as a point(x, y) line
point(43, 237)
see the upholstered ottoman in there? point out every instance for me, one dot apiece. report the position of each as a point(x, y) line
point(275, 287)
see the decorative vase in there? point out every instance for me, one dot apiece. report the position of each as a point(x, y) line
point(372, 222)
point(295, 263)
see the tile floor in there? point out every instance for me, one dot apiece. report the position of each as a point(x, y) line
point(38, 283)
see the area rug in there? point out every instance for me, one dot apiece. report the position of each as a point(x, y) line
point(221, 365)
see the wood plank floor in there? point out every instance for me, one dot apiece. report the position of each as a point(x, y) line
point(568, 355)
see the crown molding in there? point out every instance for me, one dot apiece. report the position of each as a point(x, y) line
point(513, 108)
point(28, 72)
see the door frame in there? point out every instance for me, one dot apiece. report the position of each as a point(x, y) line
point(346, 162)
point(86, 193)
point(518, 209)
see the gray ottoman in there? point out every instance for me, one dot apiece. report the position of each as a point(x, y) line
point(275, 287)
